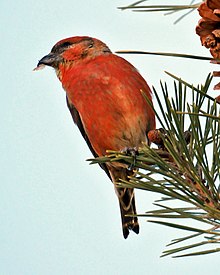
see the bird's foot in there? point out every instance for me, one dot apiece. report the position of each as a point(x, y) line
point(133, 152)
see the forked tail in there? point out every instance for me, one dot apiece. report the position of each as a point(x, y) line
point(128, 209)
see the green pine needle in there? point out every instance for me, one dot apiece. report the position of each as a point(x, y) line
point(185, 173)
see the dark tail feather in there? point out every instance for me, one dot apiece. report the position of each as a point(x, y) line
point(127, 207)
point(126, 200)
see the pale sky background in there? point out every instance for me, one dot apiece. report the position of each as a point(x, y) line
point(59, 215)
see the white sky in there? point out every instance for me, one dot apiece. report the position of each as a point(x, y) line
point(59, 215)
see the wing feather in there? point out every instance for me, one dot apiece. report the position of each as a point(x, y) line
point(77, 120)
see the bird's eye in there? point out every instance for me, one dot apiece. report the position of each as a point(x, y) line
point(66, 44)
point(90, 45)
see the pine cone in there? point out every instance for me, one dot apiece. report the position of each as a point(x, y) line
point(209, 26)
point(208, 29)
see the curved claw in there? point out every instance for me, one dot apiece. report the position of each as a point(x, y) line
point(133, 152)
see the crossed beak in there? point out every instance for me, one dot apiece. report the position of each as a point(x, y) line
point(51, 59)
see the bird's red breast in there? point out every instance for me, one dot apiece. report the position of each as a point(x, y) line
point(107, 92)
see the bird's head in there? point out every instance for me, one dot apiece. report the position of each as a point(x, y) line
point(72, 50)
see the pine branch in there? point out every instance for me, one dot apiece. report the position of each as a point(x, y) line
point(149, 8)
point(169, 9)
point(183, 165)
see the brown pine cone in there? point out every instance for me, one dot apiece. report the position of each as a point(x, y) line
point(208, 29)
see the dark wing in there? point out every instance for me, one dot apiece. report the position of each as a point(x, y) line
point(78, 122)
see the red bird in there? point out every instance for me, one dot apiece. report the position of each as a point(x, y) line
point(104, 96)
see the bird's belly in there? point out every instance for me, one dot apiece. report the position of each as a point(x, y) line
point(114, 117)
point(113, 130)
